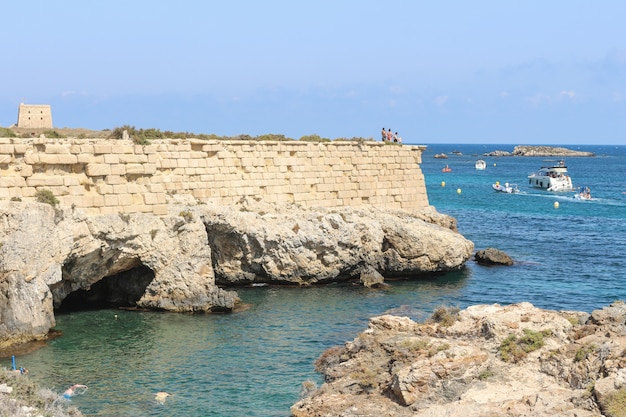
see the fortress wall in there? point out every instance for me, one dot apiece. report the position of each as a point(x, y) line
point(117, 176)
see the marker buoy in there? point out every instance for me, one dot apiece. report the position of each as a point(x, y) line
point(458, 191)
point(556, 204)
point(443, 183)
point(494, 164)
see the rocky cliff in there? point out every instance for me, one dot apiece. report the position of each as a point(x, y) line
point(487, 360)
point(62, 259)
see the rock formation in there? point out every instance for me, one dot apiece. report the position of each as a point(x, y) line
point(526, 150)
point(492, 256)
point(54, 258)
point(547, 151)
point(486, 360)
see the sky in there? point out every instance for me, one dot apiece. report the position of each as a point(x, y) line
point(503, 72)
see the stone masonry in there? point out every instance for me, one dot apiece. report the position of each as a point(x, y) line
point(34, 116)
point(106, 176)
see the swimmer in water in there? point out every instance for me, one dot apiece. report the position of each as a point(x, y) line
point(73, 390)
point(161, 396)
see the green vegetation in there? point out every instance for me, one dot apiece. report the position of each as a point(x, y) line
point(485, 374)
point(25, 393)
point(46, 196)
point(514, 349)
point(187, 215)
point(330, 357)
point(143, 136)
point(7, 133)
point(445, 316)
point(583, 352)
point(53, 134)
point(313, 138)
point(614, 404)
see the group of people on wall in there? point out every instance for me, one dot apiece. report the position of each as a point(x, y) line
point(388, 136)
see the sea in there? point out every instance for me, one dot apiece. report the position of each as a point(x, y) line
point(569, 255)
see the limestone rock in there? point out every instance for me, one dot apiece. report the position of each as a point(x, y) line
point(492, 256)
point(398, 367)
point(547, 151)
point(319, 245)
point(58, 258)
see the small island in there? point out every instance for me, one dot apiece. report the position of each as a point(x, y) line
point(525, 150)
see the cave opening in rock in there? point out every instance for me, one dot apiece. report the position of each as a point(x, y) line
point(120, 290)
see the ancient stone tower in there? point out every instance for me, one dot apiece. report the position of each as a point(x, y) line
point(34, 116)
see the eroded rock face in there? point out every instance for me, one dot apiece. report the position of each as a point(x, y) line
point(55, 257)
point(466, 366)
point(48, 254)
point(311, 246)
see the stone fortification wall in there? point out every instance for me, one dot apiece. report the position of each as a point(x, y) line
point(34, 116)
point(117, 176)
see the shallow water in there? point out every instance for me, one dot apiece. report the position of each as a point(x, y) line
point(252, 363)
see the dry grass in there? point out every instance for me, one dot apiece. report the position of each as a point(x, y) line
point(28, 399)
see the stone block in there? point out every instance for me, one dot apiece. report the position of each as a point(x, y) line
point(5, 159)
point(97, 170)
point(114, 179)
point(44, 181)
point(118, 169)
point(20, 148)
point(6, 149)
point(101, 148)
point(134, 169)
point(56, 148)
point(111, 158)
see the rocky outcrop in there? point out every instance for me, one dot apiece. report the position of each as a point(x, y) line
point(55, 258)
point(547, 151)
point(51, 258)
point(291, 246)
point(527, 150)
point(492, 256)
point(486, 360)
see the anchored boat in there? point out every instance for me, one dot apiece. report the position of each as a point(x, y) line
point(552, 178)
point(480, 164)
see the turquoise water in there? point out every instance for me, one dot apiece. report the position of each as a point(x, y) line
point(252, 363)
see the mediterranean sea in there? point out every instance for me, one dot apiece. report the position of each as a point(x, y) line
point(253, 362)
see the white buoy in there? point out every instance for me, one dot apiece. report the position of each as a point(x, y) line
point(494, 164)
point(556, 204)
point(443, 183)
point(458, 191)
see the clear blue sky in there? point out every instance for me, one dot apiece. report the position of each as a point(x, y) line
point(524, 72)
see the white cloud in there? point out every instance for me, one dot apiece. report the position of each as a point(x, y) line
point(441, 100)
point(70, 93)
point(567, 94)
point(539, 99)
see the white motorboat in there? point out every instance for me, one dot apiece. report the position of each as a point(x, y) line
point(584, 194)
point(480, 164)
point(506, 188)
point(552, 178)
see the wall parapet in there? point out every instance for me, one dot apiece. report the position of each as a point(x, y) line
point(117, 176)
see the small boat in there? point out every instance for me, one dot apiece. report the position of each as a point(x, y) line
point(506, 188)
point(480, 164)
point(446, 169)
point(552, 178)
point(584, 194)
